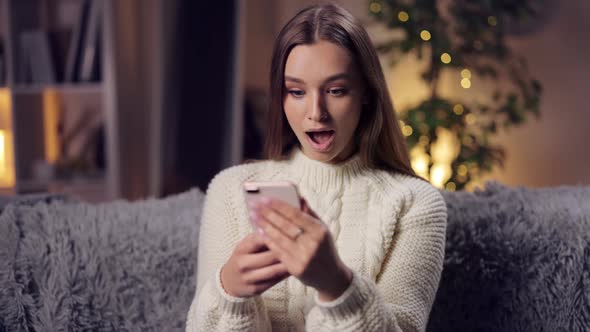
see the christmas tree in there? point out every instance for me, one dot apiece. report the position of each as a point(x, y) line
point(449, 138)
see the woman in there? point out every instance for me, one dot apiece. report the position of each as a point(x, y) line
point(366, 252)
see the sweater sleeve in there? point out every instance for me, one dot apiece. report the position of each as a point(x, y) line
point(212, 309)
point(402, 296)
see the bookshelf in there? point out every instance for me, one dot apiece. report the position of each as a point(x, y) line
point(57, 119)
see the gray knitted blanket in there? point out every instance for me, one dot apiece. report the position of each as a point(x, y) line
point(114, 267)
point(516, 260)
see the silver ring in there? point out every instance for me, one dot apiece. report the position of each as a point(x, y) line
point(299, 232)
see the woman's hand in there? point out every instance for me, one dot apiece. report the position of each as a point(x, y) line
point(304, 245)
point(252, 268)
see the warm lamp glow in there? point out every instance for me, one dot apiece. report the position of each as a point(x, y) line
point(447, 146)
point(7, 175)
point(51, 107)
point(444, 150)
point(420, 161)
point(7, 178)
point(2, 152)
point(439, 174)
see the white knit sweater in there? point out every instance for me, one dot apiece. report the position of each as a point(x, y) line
point(388, 228)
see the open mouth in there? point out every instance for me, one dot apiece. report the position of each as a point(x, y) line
point(321, 140)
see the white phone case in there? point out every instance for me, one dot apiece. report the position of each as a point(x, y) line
point(283, 190)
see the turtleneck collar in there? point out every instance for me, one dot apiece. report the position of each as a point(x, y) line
point(323, 176)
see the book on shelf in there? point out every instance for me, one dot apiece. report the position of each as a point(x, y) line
point(36, 56)
point(89, 68)
point(74, 57)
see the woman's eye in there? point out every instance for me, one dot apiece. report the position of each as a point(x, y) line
point(337, 92)
point(296, 93)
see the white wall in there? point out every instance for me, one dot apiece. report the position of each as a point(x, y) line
point(555, 150)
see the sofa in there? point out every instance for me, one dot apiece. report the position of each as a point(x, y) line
point(517, 259)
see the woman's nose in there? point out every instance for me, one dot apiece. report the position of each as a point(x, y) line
point(317, 110)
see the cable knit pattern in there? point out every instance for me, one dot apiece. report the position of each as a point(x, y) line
point(388, 228)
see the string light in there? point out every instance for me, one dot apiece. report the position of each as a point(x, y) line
point(425, 35)
point(407, 130)
point(458, 109)
point(451, 186)
point(462, 170)
point(403, 16)
point(445, 58)
point(478, 45)
point(466, 73)
point(423, 128)
point(461, 178)
point(492, 21)
point(470, 119)
point(424, 140)
point(375, 7)
point(466, 83)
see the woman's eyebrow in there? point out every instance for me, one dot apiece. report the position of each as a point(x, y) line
point(337, 77)
point(294, 79)
point(329, 79)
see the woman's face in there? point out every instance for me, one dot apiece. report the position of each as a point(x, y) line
point(323, 100)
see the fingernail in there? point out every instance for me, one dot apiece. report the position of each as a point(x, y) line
point(253, 215)
point(265, 200)
point(257, 205)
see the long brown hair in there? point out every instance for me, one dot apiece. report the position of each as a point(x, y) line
point(378, 135)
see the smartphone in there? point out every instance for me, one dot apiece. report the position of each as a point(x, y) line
point(282, 190)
